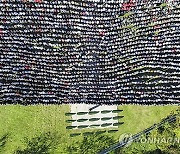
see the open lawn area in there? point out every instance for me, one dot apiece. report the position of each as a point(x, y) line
point(20, 122)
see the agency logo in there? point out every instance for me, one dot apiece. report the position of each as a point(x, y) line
point(126, 139)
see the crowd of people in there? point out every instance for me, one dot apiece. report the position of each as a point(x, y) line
point(94, 51)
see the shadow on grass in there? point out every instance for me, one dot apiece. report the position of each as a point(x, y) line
point(45, 143)
point(3, 141)
point(92, 143)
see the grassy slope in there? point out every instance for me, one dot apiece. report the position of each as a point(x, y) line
point(137, 118)
point(27, 121)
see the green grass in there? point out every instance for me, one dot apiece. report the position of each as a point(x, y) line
point(137, 118)
point(27, 121)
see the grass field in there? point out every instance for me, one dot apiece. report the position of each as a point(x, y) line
point(27, 121)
